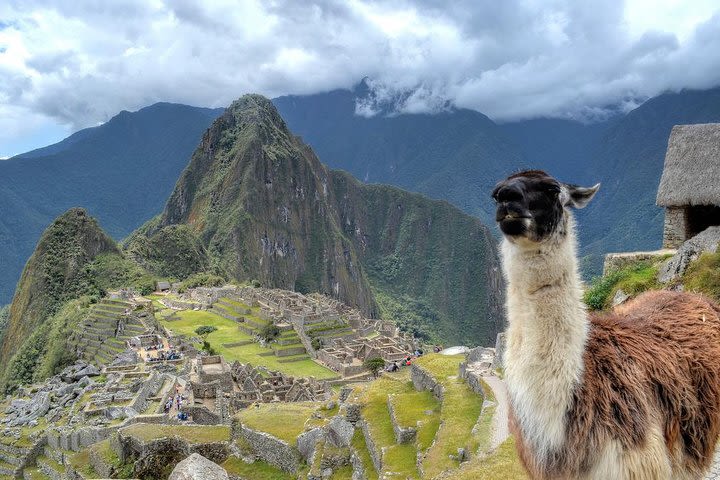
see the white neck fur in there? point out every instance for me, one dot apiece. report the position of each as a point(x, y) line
point(548, 328)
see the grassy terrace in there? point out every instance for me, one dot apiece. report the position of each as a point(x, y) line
point(399, 459)
point(459, 413)
point(419, 410)
point(358, 444)
point(228, 332)
point(503, 464)
point(257, 470)
point(192, 433)
point(283, 420)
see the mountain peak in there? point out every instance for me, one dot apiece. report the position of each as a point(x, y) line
point(255, 108)
point(55, 273)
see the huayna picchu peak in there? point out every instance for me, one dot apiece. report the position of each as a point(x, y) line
point(55, 273)
point(259, 205)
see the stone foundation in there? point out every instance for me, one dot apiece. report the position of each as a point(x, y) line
point(269, 448)
point(675, 228)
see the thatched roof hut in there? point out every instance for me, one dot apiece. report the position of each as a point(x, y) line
point(690, 184)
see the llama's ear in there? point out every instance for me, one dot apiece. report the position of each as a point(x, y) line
point(578, 197)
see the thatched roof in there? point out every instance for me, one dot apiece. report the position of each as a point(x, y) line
point(692, 167)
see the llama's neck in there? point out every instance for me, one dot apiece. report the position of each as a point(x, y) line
point(548, 328)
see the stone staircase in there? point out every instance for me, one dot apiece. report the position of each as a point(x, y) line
point(12, 459)
point(50, 464)
point(106, 330)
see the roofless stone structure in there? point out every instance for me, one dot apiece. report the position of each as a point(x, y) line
point(690, 184)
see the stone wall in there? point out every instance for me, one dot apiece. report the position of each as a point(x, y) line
point(149, 389)
point(201, 415)
point(500, 346)
point(422, 380)
point(375, 452)
point(614, 261)
point(675, 228)
point(177, 304)
point(154, 452)
point(402, 434)
point(269, 448)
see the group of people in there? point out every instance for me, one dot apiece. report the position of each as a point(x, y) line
point(163, 355)
point(178, 399)
point(405, 362)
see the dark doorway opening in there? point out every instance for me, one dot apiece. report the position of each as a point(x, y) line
point(701, 217)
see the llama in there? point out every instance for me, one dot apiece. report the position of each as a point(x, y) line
point(628, 395)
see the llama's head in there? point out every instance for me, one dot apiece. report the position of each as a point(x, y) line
point(532, 205)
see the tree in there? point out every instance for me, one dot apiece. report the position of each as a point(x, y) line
point(374, 364)
point(269, 332)
point(205, 330)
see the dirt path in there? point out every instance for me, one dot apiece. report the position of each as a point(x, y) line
point(500, 419)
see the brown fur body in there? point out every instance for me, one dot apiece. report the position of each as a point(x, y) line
point(650, 366)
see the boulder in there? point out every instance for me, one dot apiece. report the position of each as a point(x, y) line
point(705, 241)
point(88, 371)
point(307, 441)
point(340, 432)
point(620, 297)
point(197, 467)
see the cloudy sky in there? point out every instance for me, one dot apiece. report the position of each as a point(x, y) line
point(66, 65)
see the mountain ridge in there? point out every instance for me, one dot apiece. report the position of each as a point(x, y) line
point(265, 208)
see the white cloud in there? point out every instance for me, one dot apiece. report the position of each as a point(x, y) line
point(74, 64)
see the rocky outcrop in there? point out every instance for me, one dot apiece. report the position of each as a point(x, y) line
point(307, 443)
point(197, 467)
point(705, 241)
point(340, 432)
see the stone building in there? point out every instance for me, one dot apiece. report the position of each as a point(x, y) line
point(690, 184)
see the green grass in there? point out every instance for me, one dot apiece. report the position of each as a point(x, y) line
point(192, 433)
point(254, 471)
point(459, 413)
point(81, 460)
point(632, 279)
point(503, 464)
point(228, 332)
point(342, 473)
point(483, 430)
point(703, 275)
point(358, 444)
point(441, 366)
point(282, 420)
point(410, 411)
point(235, 303)
point(399, 459)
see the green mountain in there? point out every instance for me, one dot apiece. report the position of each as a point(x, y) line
point(58, 271)
point(122, 172)
point(458, 155)
point(255, 203)
point(628, 159)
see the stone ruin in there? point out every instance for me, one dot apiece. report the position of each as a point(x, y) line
point(329, 331)
point(222, 389)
